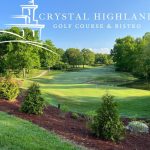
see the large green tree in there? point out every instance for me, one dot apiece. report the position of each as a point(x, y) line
point(103, 59)
point(88, 57)
point(49, 58)
point(5, 48)
point(143, 59)
point(133, 55)
point(123, 53)
point(73, 57)
point(17, 56)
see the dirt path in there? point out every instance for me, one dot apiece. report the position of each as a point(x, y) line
point(42, 74)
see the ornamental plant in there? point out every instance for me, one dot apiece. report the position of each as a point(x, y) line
point(9, 89)
point(33, 102)
point(107, 124)
point(138, 127)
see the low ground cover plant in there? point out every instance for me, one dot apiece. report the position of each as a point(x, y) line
point(64, 110)
point(138, 127)
point(75, 115)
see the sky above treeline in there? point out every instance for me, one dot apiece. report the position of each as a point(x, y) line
point(93, 24)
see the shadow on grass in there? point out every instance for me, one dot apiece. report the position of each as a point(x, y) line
point(138, 84)
point(75, 77)
point(134, 107)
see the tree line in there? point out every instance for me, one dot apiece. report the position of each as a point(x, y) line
point(19, 56)
point(133, 55)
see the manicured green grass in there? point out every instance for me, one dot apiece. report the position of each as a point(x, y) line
point(82, 91)
point(17, 134)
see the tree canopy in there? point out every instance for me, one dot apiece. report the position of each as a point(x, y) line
point(22, 54)
point(17, 56)
point(88, 57)
point(133, 55)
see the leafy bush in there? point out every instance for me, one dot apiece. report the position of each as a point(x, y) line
point(74, 115)
point(60, 66)
point(64, 109)
point(9, 89)
point(106, 124)
point(90, 115)
point(33, 102)
point(138, 127)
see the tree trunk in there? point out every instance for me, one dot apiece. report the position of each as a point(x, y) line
point(24, 73)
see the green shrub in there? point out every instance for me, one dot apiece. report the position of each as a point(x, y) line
point(74, 115)
point(9, 89)
point(90, 115)
point(64, 109)
point(60, 66)
point(33, 102)
point(106, 124)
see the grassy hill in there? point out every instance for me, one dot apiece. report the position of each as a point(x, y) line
point(17, 134)
point(82, 91)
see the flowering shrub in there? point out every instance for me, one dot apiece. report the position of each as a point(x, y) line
point(138, 127)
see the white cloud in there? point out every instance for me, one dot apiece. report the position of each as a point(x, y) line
point(101, 50)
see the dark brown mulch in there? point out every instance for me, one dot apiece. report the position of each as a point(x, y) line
point(75, 130)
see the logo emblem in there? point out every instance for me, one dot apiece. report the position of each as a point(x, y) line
point(28, 17)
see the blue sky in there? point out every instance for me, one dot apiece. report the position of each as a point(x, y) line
point(97, 39)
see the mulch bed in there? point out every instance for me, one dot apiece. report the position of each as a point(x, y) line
point(75, 129)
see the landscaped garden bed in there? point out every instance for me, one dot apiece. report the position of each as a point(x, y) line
point(75, 129)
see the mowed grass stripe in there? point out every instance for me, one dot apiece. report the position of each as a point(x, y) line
point(82, 91)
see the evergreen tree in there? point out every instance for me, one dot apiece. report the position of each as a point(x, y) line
point(106, 124)
point(33, 102)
